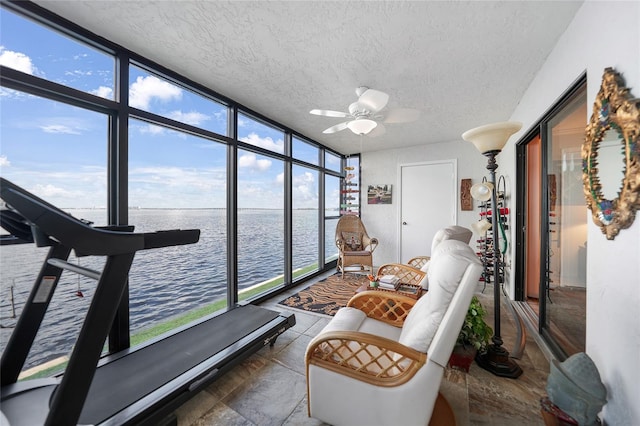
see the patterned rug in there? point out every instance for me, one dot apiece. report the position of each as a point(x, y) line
point(328, 295)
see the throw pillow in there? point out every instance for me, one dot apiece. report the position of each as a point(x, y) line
point(353, 240)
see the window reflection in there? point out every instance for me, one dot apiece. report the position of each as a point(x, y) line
point(567, 223)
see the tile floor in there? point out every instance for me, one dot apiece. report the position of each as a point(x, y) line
point(269, 388)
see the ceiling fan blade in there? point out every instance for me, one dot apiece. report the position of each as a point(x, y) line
point(336, 128)
point(373, 100)
point(401, 115)
point(329, 113)
point(378, 131)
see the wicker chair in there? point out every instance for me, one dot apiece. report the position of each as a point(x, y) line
point(354, 244)
point(407, 274)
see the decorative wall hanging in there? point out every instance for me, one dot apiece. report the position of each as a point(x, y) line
point(466, 202)
point(611, 156)
point(379, 194)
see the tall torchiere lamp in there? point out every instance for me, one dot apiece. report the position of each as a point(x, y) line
point(489, 140)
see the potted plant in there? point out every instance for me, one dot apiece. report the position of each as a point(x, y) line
point(473, 338)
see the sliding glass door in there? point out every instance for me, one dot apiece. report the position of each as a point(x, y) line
point(553, 219)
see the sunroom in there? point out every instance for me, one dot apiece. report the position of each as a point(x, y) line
point(196, 115)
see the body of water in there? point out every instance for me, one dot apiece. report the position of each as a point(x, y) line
point(162, 282)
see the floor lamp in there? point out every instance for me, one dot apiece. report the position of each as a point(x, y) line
point(489, 140)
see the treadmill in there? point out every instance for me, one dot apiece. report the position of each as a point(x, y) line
point(141, 386)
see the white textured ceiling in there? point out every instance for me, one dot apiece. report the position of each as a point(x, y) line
point(461, 64)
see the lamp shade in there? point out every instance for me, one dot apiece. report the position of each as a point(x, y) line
point(491, 137)
point(481, 226)
point(361, 126)
point(482, 191)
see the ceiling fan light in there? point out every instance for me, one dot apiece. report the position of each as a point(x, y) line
point(362, 126)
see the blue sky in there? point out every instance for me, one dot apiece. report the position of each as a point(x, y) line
point(59, 152)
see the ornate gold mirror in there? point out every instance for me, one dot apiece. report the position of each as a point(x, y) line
point(611, 156)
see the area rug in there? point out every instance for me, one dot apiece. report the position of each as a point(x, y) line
point(326, 296)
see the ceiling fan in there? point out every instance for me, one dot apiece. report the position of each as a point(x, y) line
point(364, 113)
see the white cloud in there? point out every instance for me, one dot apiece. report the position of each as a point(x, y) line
point(152, 129)
point(103, 92)
point(304, 190)
point(332, 160)
point(79, 73)
point(193, 118)
point(145, 89)
point(4, 161)
point(59, 128)
point(304, 178)
point(176, 187)
point(51, 191)
point(250, 161)
point(17, 61)
point(266, 143)
point(76, 187)
point(13, 94)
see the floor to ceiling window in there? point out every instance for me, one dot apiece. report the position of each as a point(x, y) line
point(554, 266)
point(260, 222)
point(305, 191)
point(176, 181)
point(115, 139)
point(39, 154)
point(305, 217)
point(331, 215)
point(59, 153)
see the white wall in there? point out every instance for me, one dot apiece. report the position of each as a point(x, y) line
point(382, 221)
point(603, 34)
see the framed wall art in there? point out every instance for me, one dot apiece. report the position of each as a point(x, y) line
point(379, 194)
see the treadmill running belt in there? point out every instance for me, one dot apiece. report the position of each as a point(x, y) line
point(124, 381)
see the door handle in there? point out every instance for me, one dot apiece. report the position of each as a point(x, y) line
point(404, 223)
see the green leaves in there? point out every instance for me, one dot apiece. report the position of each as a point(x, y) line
point(475, 331)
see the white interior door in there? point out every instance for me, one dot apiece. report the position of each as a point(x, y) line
point(428, 202)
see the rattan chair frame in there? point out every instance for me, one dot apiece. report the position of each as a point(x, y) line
point(348, 257)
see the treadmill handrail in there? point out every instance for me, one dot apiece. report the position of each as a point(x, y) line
point(85, 239)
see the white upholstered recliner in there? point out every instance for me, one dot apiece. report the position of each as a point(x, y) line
point(453, 232)
point(380, 360)
point(415, 271)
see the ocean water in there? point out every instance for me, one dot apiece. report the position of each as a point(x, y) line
point(162, 282)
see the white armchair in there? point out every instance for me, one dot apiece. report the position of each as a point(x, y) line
point(453, 232)
point(380, 360)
